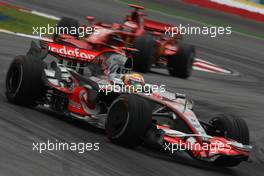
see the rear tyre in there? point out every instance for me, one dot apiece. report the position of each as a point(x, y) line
point(128, 120)
point(143, 59)
point(65, 25)
point(230, 127)
point(180, 65)
point(24, 85)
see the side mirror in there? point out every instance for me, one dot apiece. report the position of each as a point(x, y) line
point(189, 104)
point(179, 95)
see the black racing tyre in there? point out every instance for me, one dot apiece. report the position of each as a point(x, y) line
point(180, 65)
point(65, 25)
point(143, 59)
point(129, 118)
point(230, 127)
point(24, 83)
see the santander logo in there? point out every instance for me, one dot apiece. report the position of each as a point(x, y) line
point(78, 53)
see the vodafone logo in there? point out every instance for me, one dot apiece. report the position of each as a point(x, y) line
point(80, 54)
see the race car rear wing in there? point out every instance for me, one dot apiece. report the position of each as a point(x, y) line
point(71, 54)
point(155, 25)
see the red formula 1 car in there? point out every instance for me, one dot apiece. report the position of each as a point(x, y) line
point(157, 47)
point(97, 85)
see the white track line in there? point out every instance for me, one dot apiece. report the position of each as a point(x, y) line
point(34, 12)
point(212, 68)
point(202, 69)
point(44, 15)
point(206, 62)
point(237, 4)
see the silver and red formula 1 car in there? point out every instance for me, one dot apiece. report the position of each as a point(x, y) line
point(88, 85)
point(159, 44)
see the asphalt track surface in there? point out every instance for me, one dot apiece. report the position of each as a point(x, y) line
point(241, 95)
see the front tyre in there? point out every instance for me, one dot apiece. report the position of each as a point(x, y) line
point(129, 118)
point(24, 85)
point(230, 127)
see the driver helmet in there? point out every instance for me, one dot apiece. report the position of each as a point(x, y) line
point(134, 79)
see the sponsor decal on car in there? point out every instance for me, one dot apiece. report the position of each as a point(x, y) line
point(80, 54)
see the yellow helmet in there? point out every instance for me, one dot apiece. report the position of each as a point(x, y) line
point(134, 79)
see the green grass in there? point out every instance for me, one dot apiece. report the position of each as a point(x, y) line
point(22, 22)
point(199, 19)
